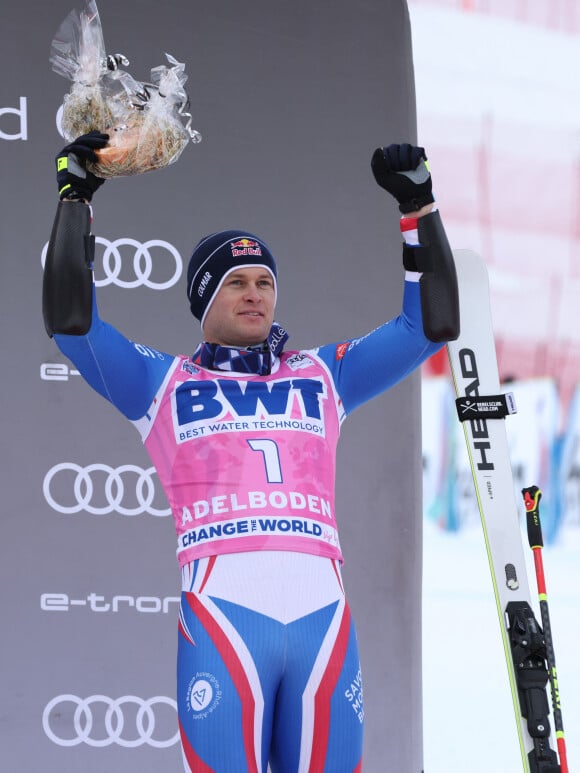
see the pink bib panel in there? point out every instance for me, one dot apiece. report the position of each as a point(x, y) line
point(248, 462)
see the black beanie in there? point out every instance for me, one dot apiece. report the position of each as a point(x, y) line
point(216, 256)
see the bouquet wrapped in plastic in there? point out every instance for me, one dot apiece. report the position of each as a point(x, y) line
point(147, 123)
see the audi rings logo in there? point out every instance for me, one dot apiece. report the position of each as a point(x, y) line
point(100, 489)
point(146, 260)
point(101, 721)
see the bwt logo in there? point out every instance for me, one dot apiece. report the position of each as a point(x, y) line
point(20, 129)
point(145, 263)
point(201, 400)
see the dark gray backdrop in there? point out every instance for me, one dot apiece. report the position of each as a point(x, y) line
point(291, 99)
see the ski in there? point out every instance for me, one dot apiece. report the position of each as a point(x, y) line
point(482, 409)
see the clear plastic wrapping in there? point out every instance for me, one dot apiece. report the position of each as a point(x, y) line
point(147, 123)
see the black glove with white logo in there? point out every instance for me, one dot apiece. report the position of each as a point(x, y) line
point(403, 172)
point(73, 178)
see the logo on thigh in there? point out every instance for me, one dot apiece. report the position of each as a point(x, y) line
point(203, 695)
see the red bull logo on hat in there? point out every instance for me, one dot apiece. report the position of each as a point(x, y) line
point(244, 246)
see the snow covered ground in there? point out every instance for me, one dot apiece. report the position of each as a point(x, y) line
point(469, 724)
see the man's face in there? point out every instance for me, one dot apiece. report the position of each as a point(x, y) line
point(242, 312)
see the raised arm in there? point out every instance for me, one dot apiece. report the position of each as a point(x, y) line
point(126, 374)
point(67, 290)
point(402, 170)
point(363, 368)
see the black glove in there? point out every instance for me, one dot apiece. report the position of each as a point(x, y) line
point(401, 170)
point(73, 178)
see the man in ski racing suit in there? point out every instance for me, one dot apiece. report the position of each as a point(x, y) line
point(243, 437)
